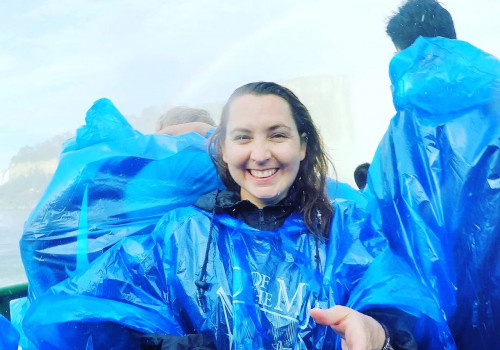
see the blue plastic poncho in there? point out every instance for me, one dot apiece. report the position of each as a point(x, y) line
point(9, 336)
point(436, 179)
point(262, 285)
point(339, 190)
point(111, 182)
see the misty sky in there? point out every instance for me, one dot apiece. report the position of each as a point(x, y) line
point(58, 57)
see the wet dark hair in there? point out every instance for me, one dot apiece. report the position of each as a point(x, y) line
point(419, 18)
point(361, 174)
point(311, 177)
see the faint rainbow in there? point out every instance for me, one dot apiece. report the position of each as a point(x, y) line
point(207, 71)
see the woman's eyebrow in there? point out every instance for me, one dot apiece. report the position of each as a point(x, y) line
point(278, 126)
point(239, 130)
point(271, 128)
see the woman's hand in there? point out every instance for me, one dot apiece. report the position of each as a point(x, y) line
point(358, 331)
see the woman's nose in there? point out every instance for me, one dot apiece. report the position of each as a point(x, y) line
point(260, 152)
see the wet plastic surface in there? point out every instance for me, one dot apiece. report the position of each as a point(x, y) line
point(111, 182)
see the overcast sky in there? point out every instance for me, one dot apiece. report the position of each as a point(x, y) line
point(58, 56)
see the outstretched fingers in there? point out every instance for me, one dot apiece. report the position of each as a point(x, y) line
point(358, 331)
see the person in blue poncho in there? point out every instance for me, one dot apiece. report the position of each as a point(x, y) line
point(434, 173)
point(267, 263)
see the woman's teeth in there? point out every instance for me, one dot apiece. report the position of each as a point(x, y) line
point(263, 173)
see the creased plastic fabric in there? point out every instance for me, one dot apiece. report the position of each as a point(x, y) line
point(436, 180)
point(9, 336)
point(338, 190)
point(262, 285)
point(111, 182)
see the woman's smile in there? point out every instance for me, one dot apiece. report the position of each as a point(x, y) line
point(263, 174)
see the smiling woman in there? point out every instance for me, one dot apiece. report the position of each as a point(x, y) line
point(262, 264)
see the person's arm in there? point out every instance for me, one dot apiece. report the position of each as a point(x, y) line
point(179, 129)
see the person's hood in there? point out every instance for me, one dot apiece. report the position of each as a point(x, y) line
point(442, 75)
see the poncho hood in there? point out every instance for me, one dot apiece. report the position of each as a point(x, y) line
point(443, 76)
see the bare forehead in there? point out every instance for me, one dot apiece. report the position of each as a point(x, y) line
point(251, 108)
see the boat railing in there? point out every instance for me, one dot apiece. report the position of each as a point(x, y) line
point(10, 293)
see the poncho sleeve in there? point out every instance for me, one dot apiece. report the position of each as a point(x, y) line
point(111, 182)
point(365, 273)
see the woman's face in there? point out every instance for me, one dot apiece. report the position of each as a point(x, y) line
point(262, 148)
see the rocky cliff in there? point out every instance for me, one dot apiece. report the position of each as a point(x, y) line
point(29, 173)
